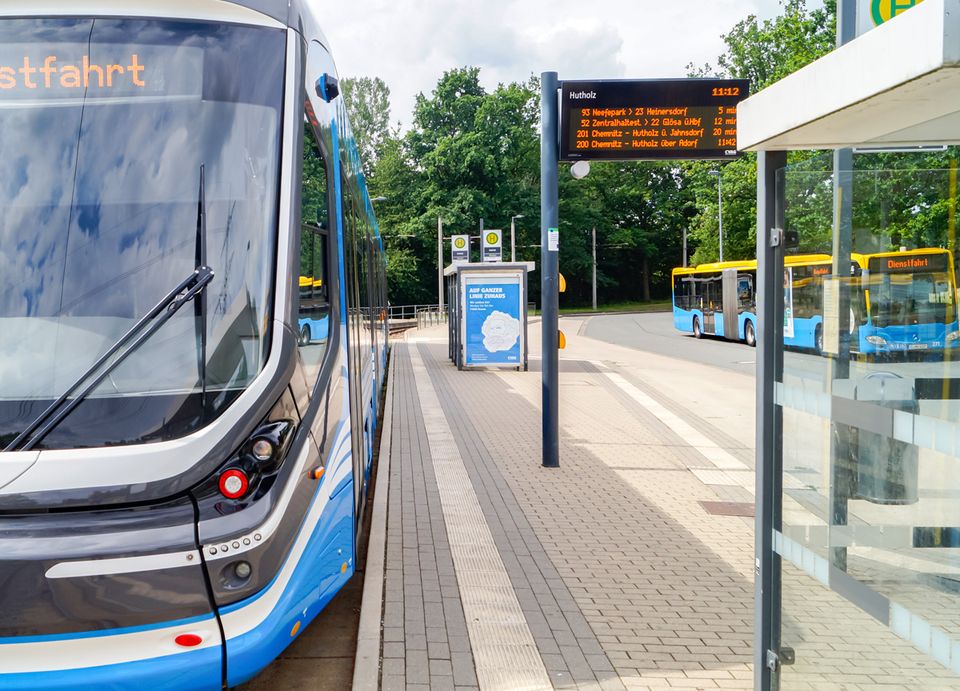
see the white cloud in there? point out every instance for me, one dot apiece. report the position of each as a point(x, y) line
point(410, 43)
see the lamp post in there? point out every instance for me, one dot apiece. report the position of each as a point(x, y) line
point(719, 207)
point(513, 244)
point(594, 269)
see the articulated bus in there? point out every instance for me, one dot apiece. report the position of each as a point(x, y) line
point(192, 290)
point(717, 299)
point(900, 301)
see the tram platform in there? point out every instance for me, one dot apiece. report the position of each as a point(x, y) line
point(628, 567)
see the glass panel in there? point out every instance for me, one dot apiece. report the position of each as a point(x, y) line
point(314, 305)
point(105, 129)
point(869, 527)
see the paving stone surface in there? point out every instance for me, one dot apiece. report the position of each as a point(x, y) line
point(624, 579)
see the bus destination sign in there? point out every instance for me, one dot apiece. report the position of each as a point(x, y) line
point(629, 120)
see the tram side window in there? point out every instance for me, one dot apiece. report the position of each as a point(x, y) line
point(313, 313)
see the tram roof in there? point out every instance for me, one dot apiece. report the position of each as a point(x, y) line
point(296, 14)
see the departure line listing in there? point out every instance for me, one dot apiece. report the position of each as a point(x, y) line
point(649, 128)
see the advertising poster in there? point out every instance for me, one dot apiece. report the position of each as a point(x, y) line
point(492, 311)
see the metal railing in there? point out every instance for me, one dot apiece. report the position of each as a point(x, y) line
point(398, 312)
point(407, 316)
point(431, 316)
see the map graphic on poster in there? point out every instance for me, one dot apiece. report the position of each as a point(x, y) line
point(500, 332)
point(493, 323)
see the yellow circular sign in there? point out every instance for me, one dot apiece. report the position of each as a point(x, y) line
point(459, 243)
point(885, 10)
point(492, 238)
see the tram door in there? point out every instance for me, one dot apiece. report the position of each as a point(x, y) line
point(353, 239)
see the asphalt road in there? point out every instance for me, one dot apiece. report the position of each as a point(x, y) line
point(654, 332)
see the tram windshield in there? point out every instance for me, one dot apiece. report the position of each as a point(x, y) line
point(104, 127)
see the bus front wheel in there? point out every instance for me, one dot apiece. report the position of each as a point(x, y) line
point(749, 336)
point(697, 331)
point(305, 335)
point(818, 339)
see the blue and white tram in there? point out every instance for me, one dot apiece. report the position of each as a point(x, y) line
point(182, 472)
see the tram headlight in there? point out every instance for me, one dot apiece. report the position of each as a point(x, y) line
point(262, 450)
point(243, 570)
point(250, 471)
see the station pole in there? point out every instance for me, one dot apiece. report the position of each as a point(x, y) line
point(843, 476)
point(440, 263)
point(549, 266)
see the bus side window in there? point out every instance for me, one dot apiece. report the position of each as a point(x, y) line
point(314, 305)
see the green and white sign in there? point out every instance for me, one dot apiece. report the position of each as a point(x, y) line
point(873, 13)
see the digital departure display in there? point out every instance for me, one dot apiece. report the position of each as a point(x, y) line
point(910, 263)
point(628, 120)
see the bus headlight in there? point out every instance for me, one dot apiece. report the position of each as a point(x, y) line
point(953, 336)
point(877, 340)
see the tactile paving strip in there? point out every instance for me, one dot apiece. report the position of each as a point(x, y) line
point(504, 650)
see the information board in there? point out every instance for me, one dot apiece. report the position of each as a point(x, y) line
point(628, 120)
point(493, 321)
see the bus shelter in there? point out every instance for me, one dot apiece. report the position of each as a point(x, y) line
point(488, 314)
point(858, 441)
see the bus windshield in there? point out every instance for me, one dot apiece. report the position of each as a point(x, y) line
point(105, 125)
point(904, 299)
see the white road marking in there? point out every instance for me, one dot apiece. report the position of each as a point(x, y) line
point(713, 452)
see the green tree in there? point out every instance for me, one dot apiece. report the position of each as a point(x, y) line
point(368, 105)
point(469, 155)
point(763, 52)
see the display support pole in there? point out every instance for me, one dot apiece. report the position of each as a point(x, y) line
point(549, 266)
point(440, 263)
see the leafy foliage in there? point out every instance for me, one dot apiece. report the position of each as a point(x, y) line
point(368, 103)
point(473, 154)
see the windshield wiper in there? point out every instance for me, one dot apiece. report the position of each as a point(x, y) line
point(187, 290)
point(190, 288)
point(200, 304)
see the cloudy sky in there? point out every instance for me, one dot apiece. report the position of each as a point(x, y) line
point(410, 43)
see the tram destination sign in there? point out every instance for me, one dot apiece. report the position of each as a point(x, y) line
point(629, 120)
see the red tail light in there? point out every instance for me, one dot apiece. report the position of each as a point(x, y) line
point(234, 484)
